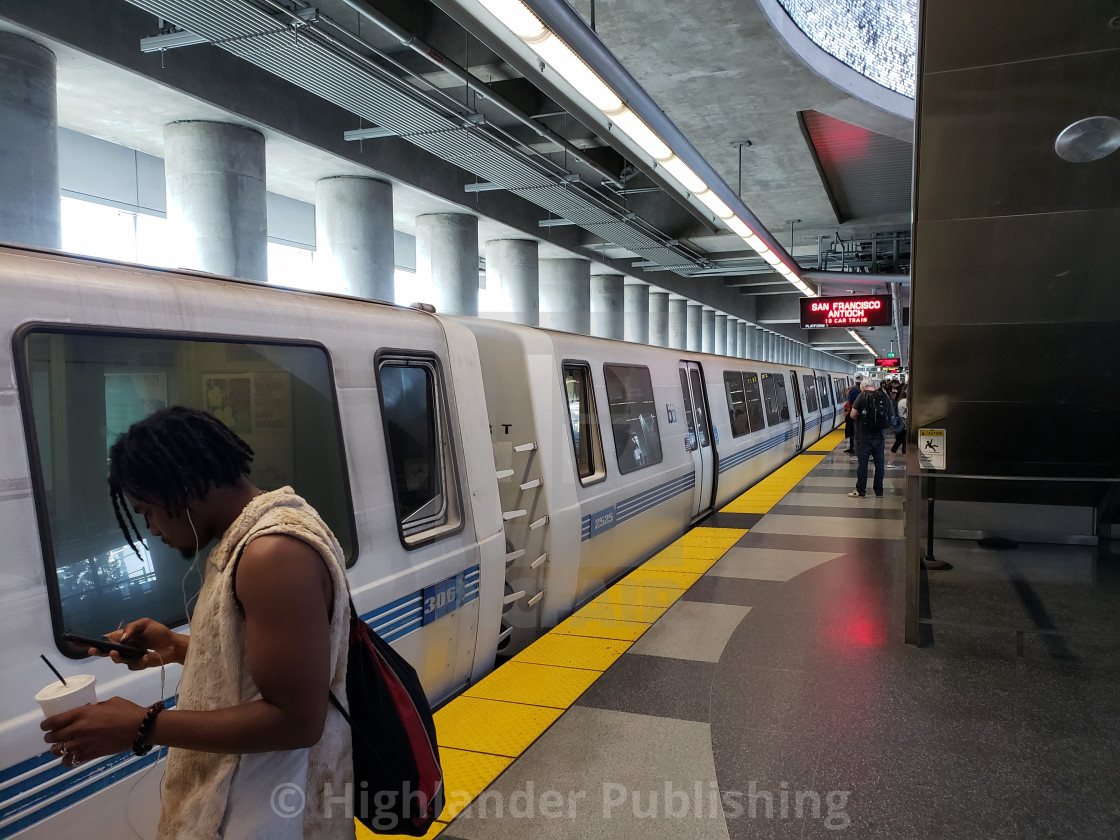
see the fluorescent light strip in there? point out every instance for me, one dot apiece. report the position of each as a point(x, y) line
point(523, 23)
point(866, 346)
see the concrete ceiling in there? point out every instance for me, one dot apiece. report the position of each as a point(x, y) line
point(720, 71)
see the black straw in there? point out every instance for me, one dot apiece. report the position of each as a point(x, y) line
point(61, 678)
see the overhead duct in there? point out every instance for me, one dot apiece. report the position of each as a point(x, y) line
point(308, 50)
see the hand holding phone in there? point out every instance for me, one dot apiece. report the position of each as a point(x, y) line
point(125, 650)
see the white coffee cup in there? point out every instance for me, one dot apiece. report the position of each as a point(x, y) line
point(57, 698)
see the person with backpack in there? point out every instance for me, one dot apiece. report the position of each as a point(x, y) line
point(872, 412)
point(849, 431)
point(268, 647)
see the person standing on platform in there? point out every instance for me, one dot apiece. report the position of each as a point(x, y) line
point(849, 432)
point(899, 437)
point(872, 413)
point(268, 643)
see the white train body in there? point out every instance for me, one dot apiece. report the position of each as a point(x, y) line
point(441, 450)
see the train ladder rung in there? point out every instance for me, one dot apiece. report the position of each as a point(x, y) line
point(536, 564)
point(532, 602)
point(507, 515)
point(515, 596)
point(539, 523)
point(529, 485)
point(525, 447)
point(513, 555)
point(500, 474)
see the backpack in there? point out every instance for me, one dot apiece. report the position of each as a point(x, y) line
point(898, 425)
point(877, 412)
point(397, 776)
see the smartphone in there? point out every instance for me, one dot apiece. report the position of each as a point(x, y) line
point(104, 645)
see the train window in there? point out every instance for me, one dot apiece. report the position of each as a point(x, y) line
point(754, 402)
point(84, 388)
point(810, 392)
point(419, 447)
point(736, 403)
point(826, 398)
point(637, 441)
point(774, 392)
point(584, 422)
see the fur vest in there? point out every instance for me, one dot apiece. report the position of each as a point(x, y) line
point(196, 784)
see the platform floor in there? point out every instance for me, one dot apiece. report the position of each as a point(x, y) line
point(751, 681)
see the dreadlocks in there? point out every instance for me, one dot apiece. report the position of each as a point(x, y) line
point(171, 457)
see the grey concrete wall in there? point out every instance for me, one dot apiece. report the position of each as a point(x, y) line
point(607, 306)
point(29, 208)
point(447, 254)
point(636, 303)
point(513, 273)
point(216, 198)
point(354, 236)
point(566, 295)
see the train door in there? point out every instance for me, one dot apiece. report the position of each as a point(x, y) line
point(798, 414)
point(699, 435)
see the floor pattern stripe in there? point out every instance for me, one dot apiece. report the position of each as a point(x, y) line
point(531, 691)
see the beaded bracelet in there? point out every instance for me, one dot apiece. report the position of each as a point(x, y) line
point(138, 746)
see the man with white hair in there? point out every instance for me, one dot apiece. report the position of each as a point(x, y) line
point(872, 412)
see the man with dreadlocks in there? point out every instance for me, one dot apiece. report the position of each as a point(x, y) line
point(268, 642)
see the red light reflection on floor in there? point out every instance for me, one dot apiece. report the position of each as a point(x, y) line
point(867, 632)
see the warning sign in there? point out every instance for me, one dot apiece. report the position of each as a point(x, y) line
point(931, 449)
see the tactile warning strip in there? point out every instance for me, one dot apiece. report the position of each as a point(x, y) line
point(535, 687)
point(827, 443)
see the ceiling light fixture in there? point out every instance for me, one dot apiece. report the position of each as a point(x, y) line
point(866, 346)
point(524, 23)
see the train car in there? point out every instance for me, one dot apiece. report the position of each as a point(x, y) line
point(485, 479)
point(372, 412)
point(644, 442)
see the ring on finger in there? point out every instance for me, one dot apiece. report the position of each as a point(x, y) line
point(63, 751)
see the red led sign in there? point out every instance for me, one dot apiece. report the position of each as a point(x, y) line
point(887, 363)
point(852, 311)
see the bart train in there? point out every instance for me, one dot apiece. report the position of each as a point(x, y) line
point(484, 478)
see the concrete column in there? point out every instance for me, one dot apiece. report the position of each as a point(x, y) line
point(513, 274)
point(678, 323)
point(354, 236)
point(659, 319)
point(731, 338)
point(566, 295)
point(745, 332)
point(694, 326)
point(708, 330)
point(721, 335)
point(768, 347)
point(607, 307)
point(29, 192)
point(216, 197)
point(447, 257)
point(636, 305)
